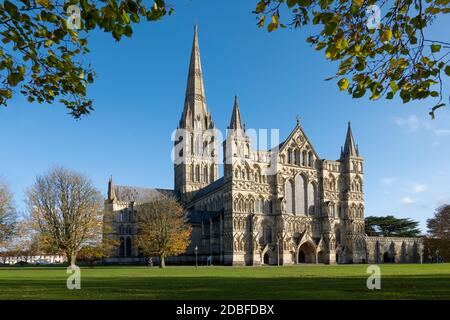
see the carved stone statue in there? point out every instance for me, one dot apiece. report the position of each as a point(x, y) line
point(283, 205)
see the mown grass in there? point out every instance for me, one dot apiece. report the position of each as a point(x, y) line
point(404, 281)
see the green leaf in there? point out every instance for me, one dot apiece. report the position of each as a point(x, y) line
point(447, 70)
point(14, 78)
point(394, 86)
point(261, 6)
point(320, 45)
point(343, 84)
point(330, 28)
point(386, 36)
point(125, 17)
point(359, 92)
point(271, 27)
point(435, 47)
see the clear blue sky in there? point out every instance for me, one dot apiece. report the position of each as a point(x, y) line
point(139, 95)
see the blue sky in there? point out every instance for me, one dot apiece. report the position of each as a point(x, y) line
point(139, 95)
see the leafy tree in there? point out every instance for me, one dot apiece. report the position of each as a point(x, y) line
point(381, 58)
point(92, 253)
point(65, 210)
point(7, 215)
point(439, 225)
point(43, 43)
point(390, 226)
point(438, 238)
point(163, 228)
point(101, 246)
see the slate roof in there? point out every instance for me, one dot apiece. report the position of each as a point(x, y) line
point(209, 188)
point(140, 195)
point(198, 216)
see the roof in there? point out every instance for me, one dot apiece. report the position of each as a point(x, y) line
point(198, 216)
point(209, 188)
point(140, 195)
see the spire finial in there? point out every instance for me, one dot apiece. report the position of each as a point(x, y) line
point(111, 191)
point(298, 120)
point(350, 149)
point(195, 99)
point(236, 122)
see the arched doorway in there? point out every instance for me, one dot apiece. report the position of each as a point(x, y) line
point(128, 247)
point(301, 257)
point(122, 247)
point(266, 258)
point(307, 253)
point(386, 258)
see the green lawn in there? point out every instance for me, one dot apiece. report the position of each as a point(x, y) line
point(296, 282)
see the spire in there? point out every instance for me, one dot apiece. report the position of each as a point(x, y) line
point(111, 191)
point(236, 122)
point(195, 100)
point(350, 148)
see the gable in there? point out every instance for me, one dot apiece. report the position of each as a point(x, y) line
point(297, 139)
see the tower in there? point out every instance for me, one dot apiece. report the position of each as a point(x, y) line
point(353, 200)
point(196, 163)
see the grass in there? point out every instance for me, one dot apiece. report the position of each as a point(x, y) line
point(403, 281)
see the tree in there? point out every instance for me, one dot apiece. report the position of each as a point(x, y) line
point(99, 248)
point(65, 210)
point(382, 47)
point(390, 226)
point(92, 253)
point(438, 238)
point(163, 228)
point(44, 41)
point(7, 215)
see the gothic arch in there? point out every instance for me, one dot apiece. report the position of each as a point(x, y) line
point(289, 195)
point(311, 198)
point(306, 252)
point(301, 194)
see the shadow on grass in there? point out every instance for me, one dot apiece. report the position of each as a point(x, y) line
point(161, 287)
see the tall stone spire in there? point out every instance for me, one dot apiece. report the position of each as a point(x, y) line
point(236, 122)
point(195, 100)
point(196, 165)
point(350, 149)
point(111, 191)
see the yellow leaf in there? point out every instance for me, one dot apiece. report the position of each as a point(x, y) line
point(44, 3)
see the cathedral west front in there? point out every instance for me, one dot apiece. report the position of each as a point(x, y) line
point(281, 205)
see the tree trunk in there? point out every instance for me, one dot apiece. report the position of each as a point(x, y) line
point(162, 263)
point(71, 259)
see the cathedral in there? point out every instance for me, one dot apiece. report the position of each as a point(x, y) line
point(280, 206)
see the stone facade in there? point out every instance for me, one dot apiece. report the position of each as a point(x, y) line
point(281, 206)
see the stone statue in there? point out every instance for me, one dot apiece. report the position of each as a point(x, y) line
point(283, 205)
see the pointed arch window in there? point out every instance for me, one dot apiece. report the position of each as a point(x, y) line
point(211, 173)
point(297, 157)
point(205, 173)
point(304, 158)
point(310, 159)
point(197, 173)
point(128, 247)
point(289, 194)
point(289, 156)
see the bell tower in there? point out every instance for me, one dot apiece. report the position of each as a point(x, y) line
point(196, 160)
